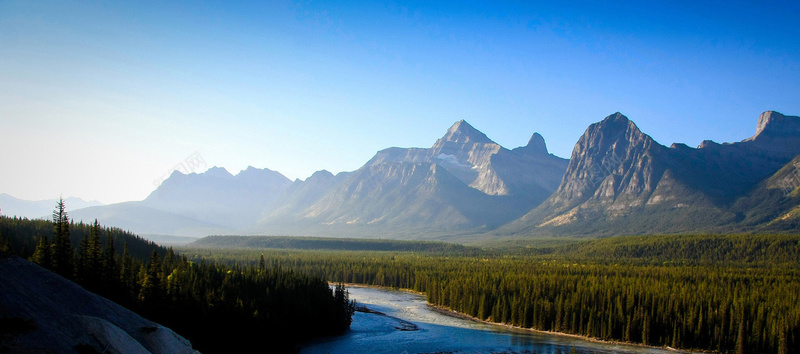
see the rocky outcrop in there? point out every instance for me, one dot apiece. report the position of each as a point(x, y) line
point(62, 317)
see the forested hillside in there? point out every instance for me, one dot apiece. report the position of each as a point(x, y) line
point(727, 293)
point(219, 308)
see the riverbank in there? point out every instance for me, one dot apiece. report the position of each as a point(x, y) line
point(455, 314)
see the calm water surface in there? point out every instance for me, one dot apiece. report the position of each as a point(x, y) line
point(411, 326)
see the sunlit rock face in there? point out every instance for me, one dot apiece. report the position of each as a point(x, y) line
point(620, 180)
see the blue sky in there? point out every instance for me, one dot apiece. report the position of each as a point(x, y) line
point(100, 99)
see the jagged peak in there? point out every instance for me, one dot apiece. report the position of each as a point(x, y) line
point(218, 172)
point(613, 125)
point(536, 144)
point(463, 132)
point(248, 171)
point(320, 174)
point(708, 144)
point(616, 119)
point(767, 118)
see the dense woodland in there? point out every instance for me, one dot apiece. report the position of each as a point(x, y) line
point(330, 243)
point(728, 293)
point(219, 308)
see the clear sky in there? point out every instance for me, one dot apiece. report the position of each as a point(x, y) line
point(99, 99)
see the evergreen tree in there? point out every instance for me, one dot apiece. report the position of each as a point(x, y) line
point(150, 294)
point(90, 259)
point(110, 267)
point(5, 246)
point(63, 252)
point(43, 255)
point(344, 307)
point(127, 273)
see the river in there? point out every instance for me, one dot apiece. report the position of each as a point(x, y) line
point(406, 324)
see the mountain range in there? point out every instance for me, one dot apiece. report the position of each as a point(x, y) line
point(621, 181)
point(618, 180)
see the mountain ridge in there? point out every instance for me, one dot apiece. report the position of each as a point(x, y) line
point(618, 180)
point(619, 177)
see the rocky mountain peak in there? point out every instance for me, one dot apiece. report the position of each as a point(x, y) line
point(616, 122)
point(322, 174)
point(218, 172)
point(768, 118)
point(773, 124)
point(536, 144)
point(463, 132)
point(613, 160)
point(250, 171)
point(611, 135)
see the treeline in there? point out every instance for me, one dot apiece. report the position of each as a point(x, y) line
point(219, 308)
point(329, 243)
point(20, 236)
point(740, 249)
point(726, 308)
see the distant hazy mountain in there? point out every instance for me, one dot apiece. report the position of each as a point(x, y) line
point(141, 219)
point(197, 204)
point(620, 181)
point(301, 195)
point(11, 206)
point(217, 197)
point(465, 181)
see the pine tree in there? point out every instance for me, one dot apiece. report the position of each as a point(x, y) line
point(110, 259)
point(151, 285)
point(63, 252)
point(5, 246)
point(344, 306)
point(109, 269)
point(127, 273)
point(90, 260)
point(82, 264)
point(43, 255)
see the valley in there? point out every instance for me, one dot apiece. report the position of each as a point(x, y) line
point(405, 177)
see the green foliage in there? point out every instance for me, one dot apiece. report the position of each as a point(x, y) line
point(722, 293)
point(330, 243)
point(43, 255)
point(764, 250)
point(203, 301)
